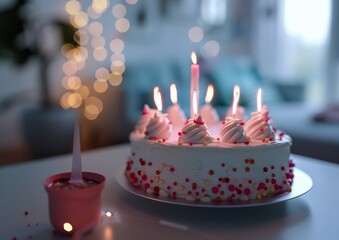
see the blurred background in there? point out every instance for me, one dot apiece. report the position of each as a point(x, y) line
point(100, 60)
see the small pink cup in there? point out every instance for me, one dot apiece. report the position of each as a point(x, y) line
point(79, 208)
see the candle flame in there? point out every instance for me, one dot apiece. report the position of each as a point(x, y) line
point(236, 97)
point(155, 94)
point(259, 100)
point(209, 93)
point(158, 101)
point(195, 103)
point(194, 58)
point(174, 94)
point(68, 227)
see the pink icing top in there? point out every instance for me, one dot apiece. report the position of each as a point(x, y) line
point(159, 127)
point(147, 114)
point(232, 131)
point(195, 132)
point(259, 127)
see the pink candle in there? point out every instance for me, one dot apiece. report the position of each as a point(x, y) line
point(194, 82)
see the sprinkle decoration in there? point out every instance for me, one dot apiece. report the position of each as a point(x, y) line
point(219, 185)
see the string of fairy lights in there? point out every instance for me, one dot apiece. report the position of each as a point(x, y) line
point(92, 44)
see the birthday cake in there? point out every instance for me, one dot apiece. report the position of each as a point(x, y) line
point(229, 160)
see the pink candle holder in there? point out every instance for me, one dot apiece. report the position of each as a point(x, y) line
point(74, 209)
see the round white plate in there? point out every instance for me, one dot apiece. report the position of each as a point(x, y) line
point(302, 183)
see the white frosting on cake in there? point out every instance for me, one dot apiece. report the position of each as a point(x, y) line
point(259, 127)
point(147, 114)
point(195, 132)
point(217, 172)
point(193, 170)
point(232, 131)
point(158, 127)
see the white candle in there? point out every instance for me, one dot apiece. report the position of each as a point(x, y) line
point(236, 111)
point(175, 113)
point(194, 81)
point(207, 112)
point(259, 100)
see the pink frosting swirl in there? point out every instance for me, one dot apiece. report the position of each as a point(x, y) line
point(232, 131)
point(259, 127)
point(159, 127)
point(195, 132)
point(147, 114)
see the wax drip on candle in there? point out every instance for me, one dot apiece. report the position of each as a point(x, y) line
point(208, 113)
point(175, 113)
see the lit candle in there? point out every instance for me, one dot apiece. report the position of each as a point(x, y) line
point(240, 111)
point(195, 131)
point(207, 112)
point(194, 81)
point(159, 127)
point(259, 100)
point(232, 130)
point(259, 126)
point(175, 113)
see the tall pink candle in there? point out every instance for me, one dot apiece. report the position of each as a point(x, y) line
point(194, 82)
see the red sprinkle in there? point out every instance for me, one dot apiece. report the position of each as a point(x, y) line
point(179, 133)
point(157, 172)
point(265, 169)
point(149, 163)
point(252, 161)
point(172, 169)
point(282, 168)
point(146, 133)
point(234, 169)
point(215, 190)
point(211, 172)
point(227, 180)
point(247, 169)
point(26, 213)
point(247, 191)
point(187, 180)
point(242, 123)
point(197, 122)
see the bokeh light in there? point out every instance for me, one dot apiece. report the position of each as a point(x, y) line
point(196, 34)
point(69, 68)
point(80, 19)
point(122, 25)
point(100, 54)
point(98, 41)
point(93, 14)
point(71, 82)
point(100, 86)
point(100, 6)
point(74, 100)
point(73, 7)
point(119, 10)
point(115, 79)
point(83, 90)
point(81, 37)
point(102, 74)
point(95, 28)
point(131, 1)
point(210, 49)
point(118, 69)
point(117, 45)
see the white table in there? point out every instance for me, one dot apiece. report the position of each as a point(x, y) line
point(311, 216)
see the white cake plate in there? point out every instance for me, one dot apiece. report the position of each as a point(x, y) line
point(302, 183)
